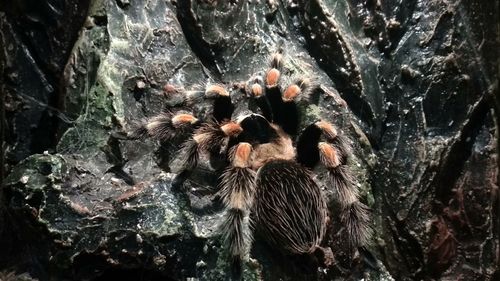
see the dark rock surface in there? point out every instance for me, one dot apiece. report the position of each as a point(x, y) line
point(413, 83)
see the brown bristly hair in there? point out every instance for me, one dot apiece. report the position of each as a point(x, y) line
point(237, 191)
point(354, 214)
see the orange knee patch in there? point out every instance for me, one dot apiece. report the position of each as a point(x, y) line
point(291, 92)
point(242, 155)
point(216, 89)
point(328, 155)
point(256, 90)
point(231, 129)
point(327, 128)
point(272, 77)
point(181, 119)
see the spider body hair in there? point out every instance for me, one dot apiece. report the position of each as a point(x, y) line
point(340, 142)
point(139, 132)
point(212, 136)
point(328, 155)
point(276, 60)
point(190, 155)
point(236, 231)
point(355, 217)
point(237, 187)
point(354, 214)
point(279, 148)
point(268, 140)
point(216, 90)
point(274, 72)
point(273, 96)
point(291, 212)
point(290, 114)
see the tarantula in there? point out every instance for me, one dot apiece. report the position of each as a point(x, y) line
point(268, 185)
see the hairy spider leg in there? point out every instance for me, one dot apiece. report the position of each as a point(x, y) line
point(237, 191)
point(164, 126)
point(320, 142)
point(290, 111)
point(222, 106)
point(256, 89)
point(273, 90)
point(208, 138)
point(167, 125)
point(283, 104)
point(307, 146)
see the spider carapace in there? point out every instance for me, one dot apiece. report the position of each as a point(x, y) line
point(268, 185)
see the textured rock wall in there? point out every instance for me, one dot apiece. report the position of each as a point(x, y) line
point(413, 83)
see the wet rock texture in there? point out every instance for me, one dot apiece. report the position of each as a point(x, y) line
point(413, 83)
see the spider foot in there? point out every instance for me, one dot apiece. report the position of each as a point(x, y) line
point(325, 256)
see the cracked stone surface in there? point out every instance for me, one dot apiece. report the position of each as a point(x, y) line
point(414, 84)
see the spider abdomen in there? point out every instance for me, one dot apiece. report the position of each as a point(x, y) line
point(289, 209)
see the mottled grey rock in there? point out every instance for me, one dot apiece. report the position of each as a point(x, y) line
point(411, 83)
